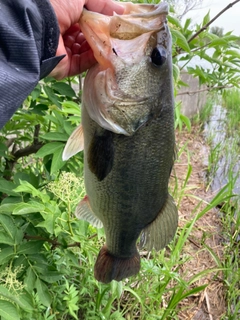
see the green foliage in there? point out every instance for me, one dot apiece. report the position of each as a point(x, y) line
point(231, 226)
point(180, 119)
point(204, 114)
point(219, 53)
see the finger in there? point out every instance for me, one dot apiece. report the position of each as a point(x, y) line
point(81, 62)
point(75, 28)
point(106, 7)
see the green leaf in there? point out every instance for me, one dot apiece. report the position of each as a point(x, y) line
point(49, 220)
point(8, 310)
point(218, 42)
point(40, 108)
point(176, 72)
point(48, 148)
point(48, 224)
point(71, 107)
point(174, 21)
point(117, 288)
point(52, 96)
point(206, 19)
point(23, 300)
point(187, 121)
point(233, 53)
point(117, 315)
point(7, 187)
point(26, 208)
point(187, 24)
point(57, 162)
point(59, 136)
point(3, 150)
point(8, 225)
point(51, 276)
point(5, 238)
point(32, 178)
point(6, 254)
point(28, 188)
point(43, 293)
point(36, 92)
point(64, 89)
point(223, 41)
point(30, 279)
point(180, 40)
point(30, 247)
point(68, 127)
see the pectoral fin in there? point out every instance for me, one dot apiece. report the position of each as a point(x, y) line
point(74, 144)
point(162, 230)
point(84, 212)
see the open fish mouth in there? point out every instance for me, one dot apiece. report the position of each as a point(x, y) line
point(120, 42)
point(105, 33)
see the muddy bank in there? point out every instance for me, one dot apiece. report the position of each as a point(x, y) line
point(210, 303)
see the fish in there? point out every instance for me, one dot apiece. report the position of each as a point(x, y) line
point(127, 132)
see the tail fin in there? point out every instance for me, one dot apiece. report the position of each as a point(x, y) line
point(109, 267)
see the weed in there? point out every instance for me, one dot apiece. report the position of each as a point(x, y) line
point(203, 115)
point(223, 166)
point(231, 101)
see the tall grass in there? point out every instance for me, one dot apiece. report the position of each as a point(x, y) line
point(203, 115)
point(222, 160)
point(230, 216)
point(231, 101)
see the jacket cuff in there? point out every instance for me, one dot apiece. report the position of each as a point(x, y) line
point(50, 29)
point(48, 65)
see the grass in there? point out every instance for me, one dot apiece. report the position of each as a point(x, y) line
point(224, 152)
point(203, 115)
point(231, 101)
point(230, 217)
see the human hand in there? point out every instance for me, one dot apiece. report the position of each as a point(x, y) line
point(79, 56)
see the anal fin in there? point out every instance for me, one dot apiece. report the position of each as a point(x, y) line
point(84, 212)
point(162, 230)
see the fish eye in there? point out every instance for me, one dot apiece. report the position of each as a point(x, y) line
point(157, 58)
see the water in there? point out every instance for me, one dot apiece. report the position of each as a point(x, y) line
point(224, 159)
point(224, 156)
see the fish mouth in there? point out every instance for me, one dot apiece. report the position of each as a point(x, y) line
point(120, 42)
point(120, 36)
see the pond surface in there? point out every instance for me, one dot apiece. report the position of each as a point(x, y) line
point(224, 159)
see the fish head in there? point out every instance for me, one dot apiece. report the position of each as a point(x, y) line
point(132, 80)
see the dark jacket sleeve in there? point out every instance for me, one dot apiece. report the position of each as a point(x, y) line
point(29, 36)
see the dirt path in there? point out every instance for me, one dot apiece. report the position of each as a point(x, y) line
point(210, 303)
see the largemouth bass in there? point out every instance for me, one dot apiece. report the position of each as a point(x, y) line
point(128, 130)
